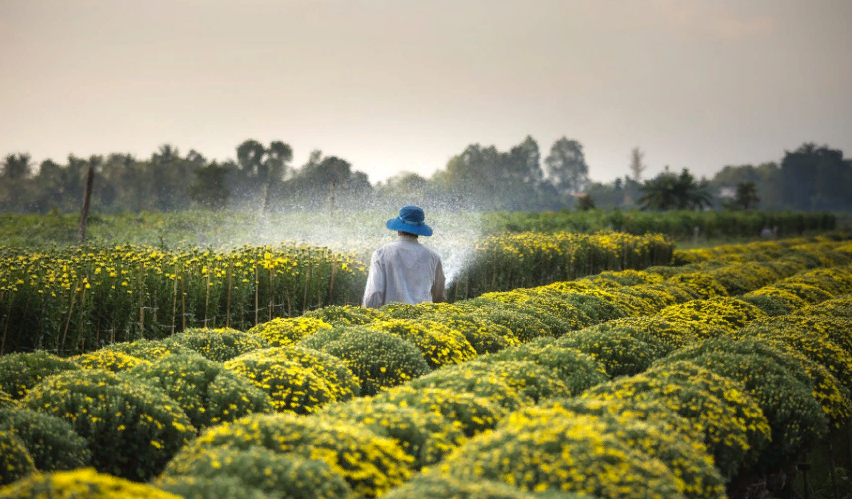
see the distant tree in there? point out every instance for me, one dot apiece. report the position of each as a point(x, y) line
point(566, 166)
point(746, 197)
point(669, 191)
point(14, 181)
point(636, 165)
point(816, 178)
point(210, 188)
point(585, 203)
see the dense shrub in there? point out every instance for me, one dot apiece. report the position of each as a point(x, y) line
point(19, 372)
point(569, 454)
point(483, 335)
point(438, 486)
point(347, 315)
point(297, 379)
point(370, 464)
point(769, 305)
point(132, 428)
point(421, 433)
point(273, 473)
point(439, 344)
point(840, 307)
point(543, 302)
point(700, 283)
point(734, 427)
point(217, 344)
point(810, 294)
point(379, 360)
point(783, 298)
point(108, 360)
point(282, 332)
point(694, 468)
point(15, 461)
point(786, 399)
point(579, 371)
point(147, 349)
point(508, 383)
point(834, 329)
point(207, 392)
point(524, 322)
point(84, 483)
point(656, 332)
point(220, 487)
point(6, 400)
point(51, 441)
point(473, 414)
point(620, 354)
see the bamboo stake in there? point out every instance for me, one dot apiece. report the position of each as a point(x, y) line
point(331, 284)
point(307, 280)
point(8, 319)
point(256, 290)
point(271, 289)
point(68, 321)
point(230, 284)
point(207, 301)
point(182, 304)
point(84, 213)
point(174, 302)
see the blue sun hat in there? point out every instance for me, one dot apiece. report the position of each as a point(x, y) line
point(410, 220)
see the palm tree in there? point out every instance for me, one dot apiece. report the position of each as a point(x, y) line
point(669, 191)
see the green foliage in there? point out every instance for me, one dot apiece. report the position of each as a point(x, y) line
point(347, 315)
point(569, 454)
point(473, 414)
point(282, 332)
point(769, 305)
point(108, 360)
point(370, 464)
point(132, 428)
point(620, 354)
point(439, 344)
point(579, 371)
point(379, 360)
point(207, 392)
point(19, 372)
point(51, 441)
point(422, 434)
point(437, 486)
point(15, 461)
point(482, 334)
point(83, 483)
point(208, 488)
point(273, 473)
point(217, 344)
point(147, 349)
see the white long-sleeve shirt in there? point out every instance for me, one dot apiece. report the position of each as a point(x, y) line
point(404, 271)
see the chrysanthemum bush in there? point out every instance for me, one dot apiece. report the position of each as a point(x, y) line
point(655, 331)
point(274, 473)
point(620, 354)
point(780, 297)
point(369, 463)
point(735, 430)
point(109, 361)
point(834, 329)
point(697, 477)
point(51, 441)
point(195, 487)
point(378, 360)
point(700, 283)
point(15, 461)
point(422, 434)
point(84, 483)
point(579, 371)
point(574, 454)
point(297, 379)
point(526, 323)
point(217, 344)
point(132, 428)
point(483, 335)
point(810, 294)
point(544, 301)
point(508, 383)
point(785, 398)
point(439, 344)
point(772, 306)
point(19, 372)
point(6, 400)
point(282, 332)
point(434, 485)
point(147, 349)
point(207, 392)
point(601, 309)
point(839, 307)
point(473, 414)
point(346, 315)
point(622, 278)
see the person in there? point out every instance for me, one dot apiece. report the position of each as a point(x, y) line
point(405, 270)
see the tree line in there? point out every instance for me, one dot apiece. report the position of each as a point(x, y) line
point(811, 178)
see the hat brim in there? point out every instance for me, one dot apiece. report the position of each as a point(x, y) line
point(399, 225)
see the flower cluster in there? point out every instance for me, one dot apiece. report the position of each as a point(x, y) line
point(83, 483)
point(132, 428)
point(378, 360)
point(700, 283)
point(15, 461)
point(219, 486)
point(51, 441)
point(434, 485)
point(207, 392)
point(620, 354)
point(421, 433)
point(840, 307)
point(473, 414)
point(369, 463)
point(147, 349)
point(217, 344)
point(109, 360)
point(483, 335)
point(274, 473)
point(282, 332)
point(345, 315)
point(439, 344)
point(19, 372)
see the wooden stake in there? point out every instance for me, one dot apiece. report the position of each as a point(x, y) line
point(271, 289)
point(68, 321)
point(84, 213)
point(307, 280)
point(230, 283)
point(182, 304)
point(256, 290)
point(174, 302)
point(207, 301)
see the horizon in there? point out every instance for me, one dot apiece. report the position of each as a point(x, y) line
point(404, 86)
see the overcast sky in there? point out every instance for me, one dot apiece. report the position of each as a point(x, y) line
point(394, 85)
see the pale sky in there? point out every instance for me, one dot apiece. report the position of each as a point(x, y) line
point(394, 85)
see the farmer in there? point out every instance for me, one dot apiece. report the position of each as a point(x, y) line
point(405, 270)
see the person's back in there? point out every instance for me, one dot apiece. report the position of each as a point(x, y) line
point(405, 270)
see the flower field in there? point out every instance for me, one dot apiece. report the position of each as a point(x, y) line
point(710, 378)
